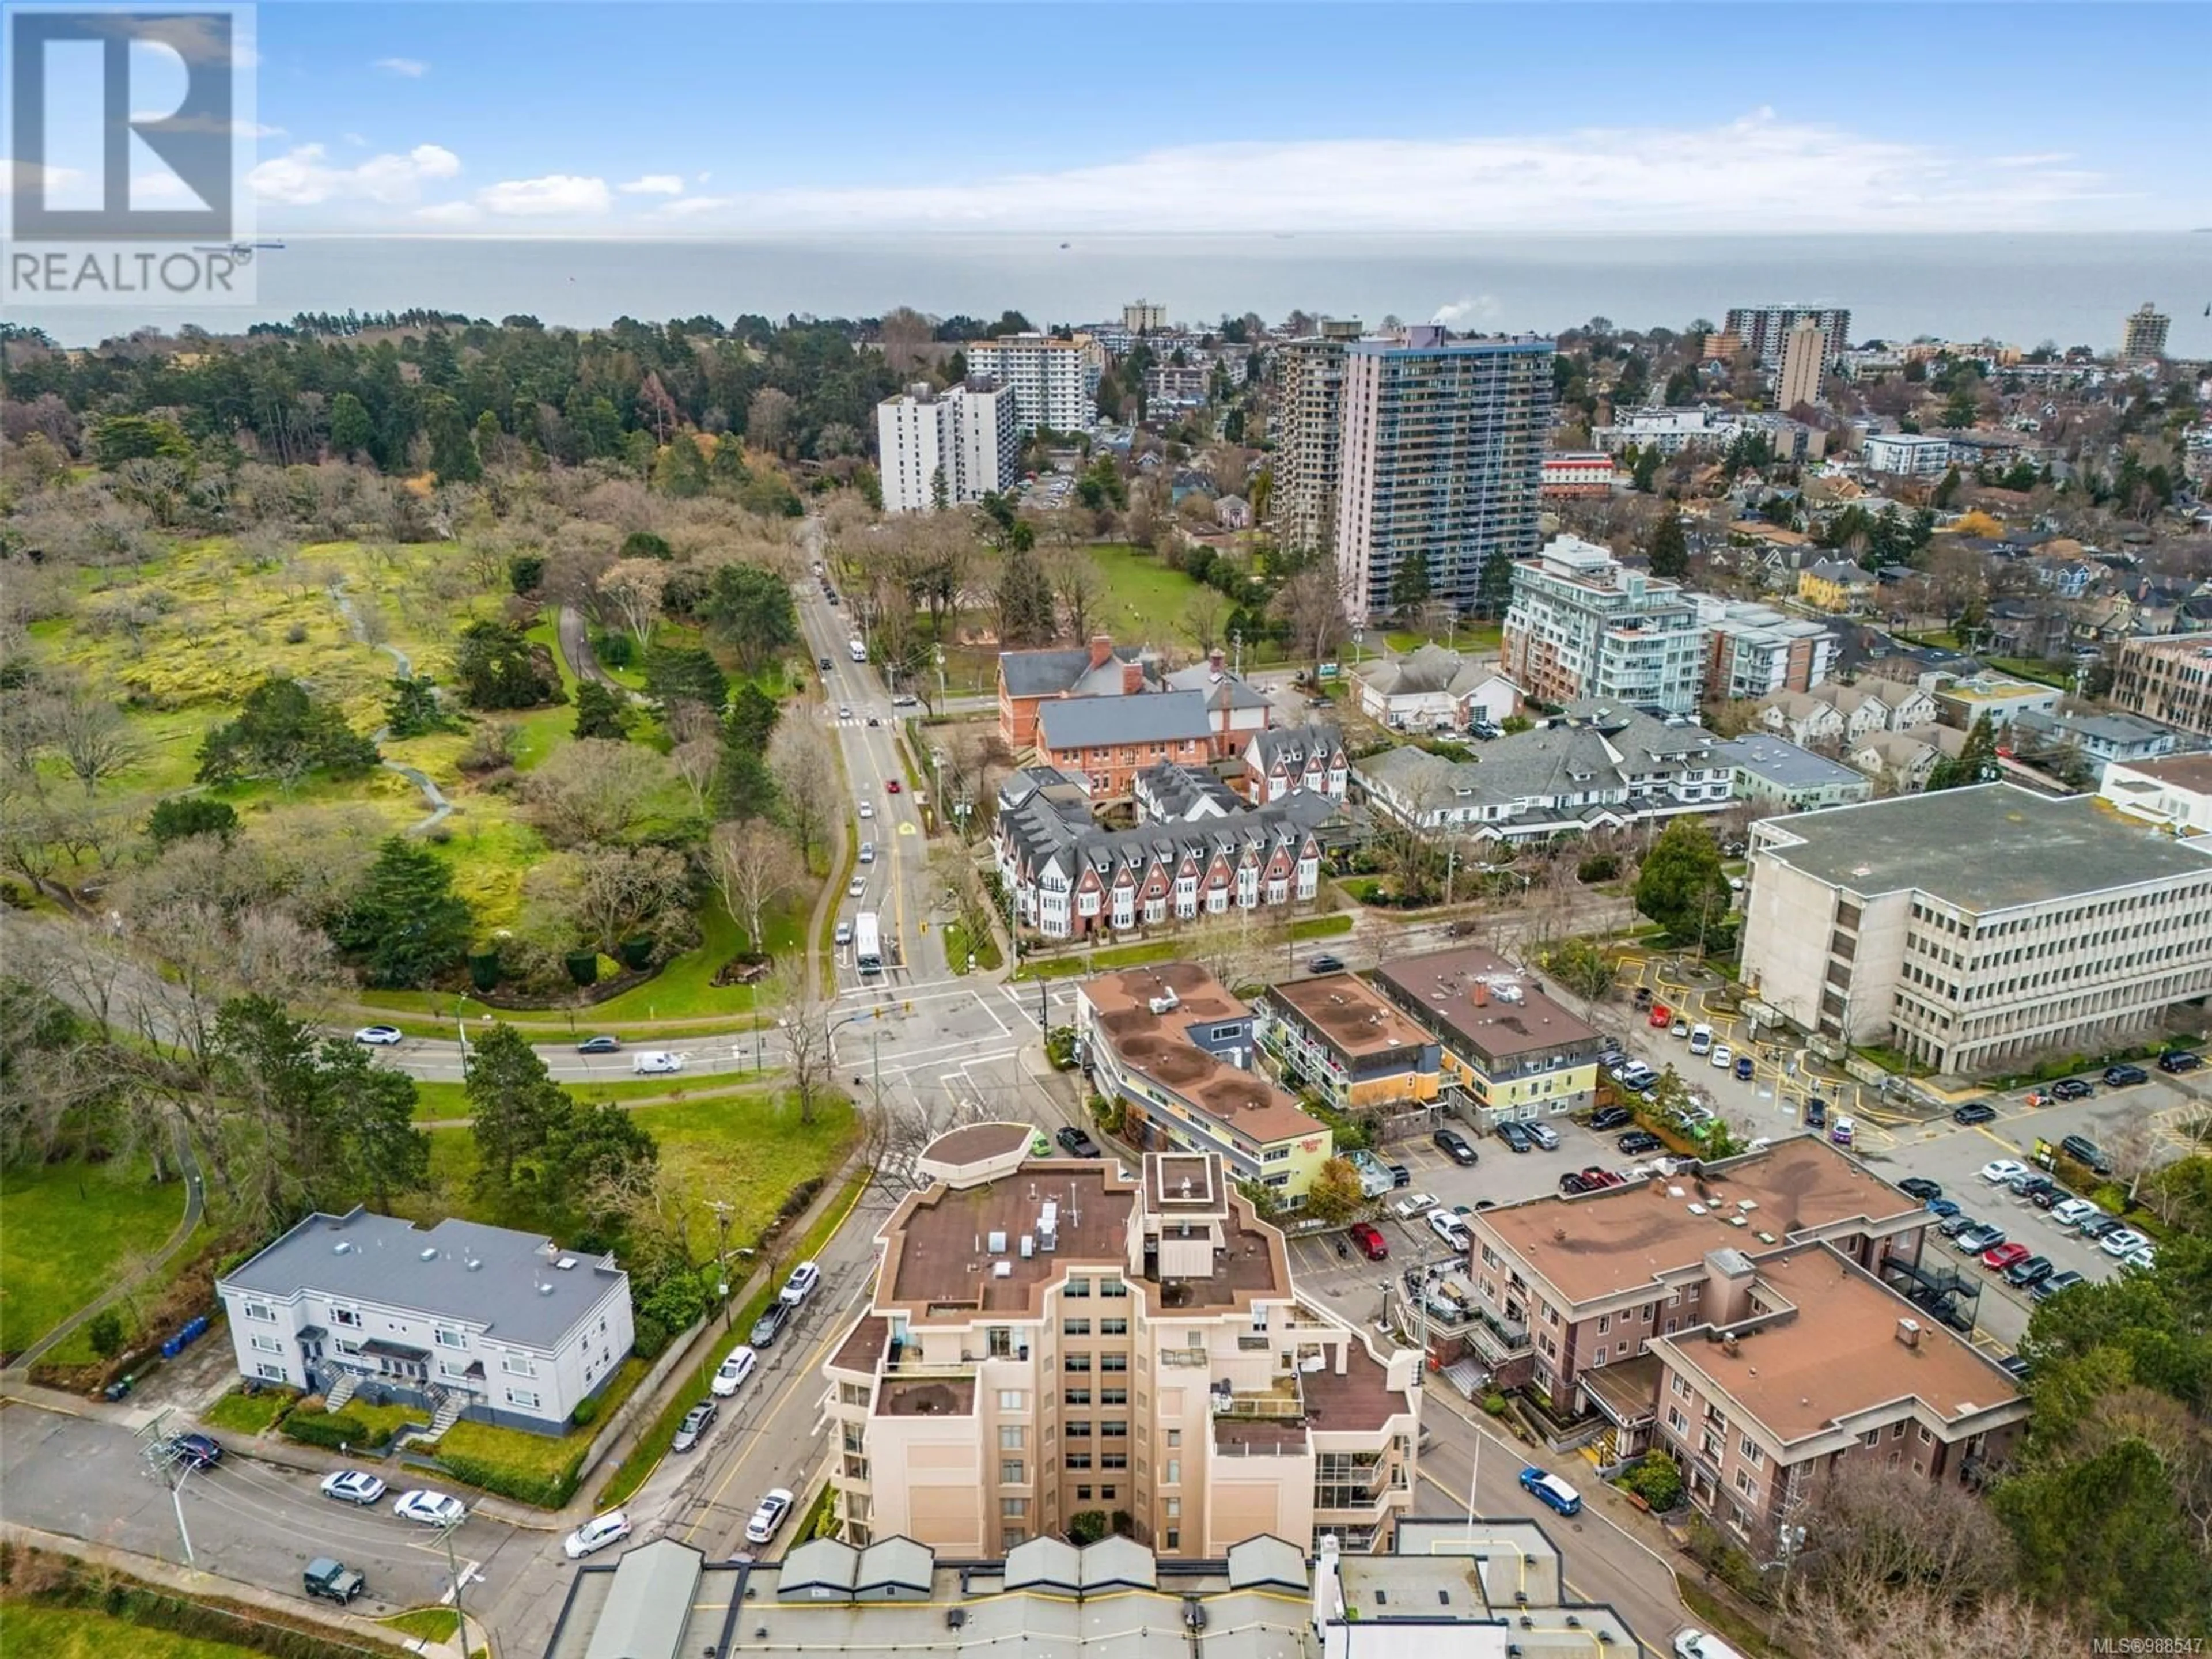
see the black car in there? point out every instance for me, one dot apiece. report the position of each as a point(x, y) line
point(2123, 1077)
point(1400, 1175)
point(2012, 1365)
point(197, 1449)
point(2071, 1088)
point(1455, 1147)
point(693, 1429)
point(1638, 1141)
point(1326, 963)
point(769, 1325)
point(1076, 1144)
point(2177, 1060)
point(1952, 1226)
point(1975, 1111)
point(823, 663)
point(2082, 1149)
point(2049, 1198)
point(1613, 1117)
point(2057, 1282)
point(2097, 1226)
point(1571, 1183)
point(599, 1045)
point(1921, 1186)
point(1515, 1137)
point(1816, 1112)
point(2029, 1271)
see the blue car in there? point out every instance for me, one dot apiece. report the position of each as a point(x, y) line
point(1549, 1489)
point(1942, 1207)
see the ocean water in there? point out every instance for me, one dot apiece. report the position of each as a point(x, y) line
point(2071, 290)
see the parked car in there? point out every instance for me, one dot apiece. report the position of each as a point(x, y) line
point(1544, 1135)
point(2027, 1183)
point(769, 1325)
point(379, 1037)
point(1816, 1112)
point(354, 1486)
point(730, 1375)
point(2029, 1271)
point(1943, 1207)
point(2123, 1077)
point(1701, 1039)
point(1457, 1146)
point(1701, 1645)
point(1975, 1240)
point(1920, 1187)
point(1681, 1026)
point(2050, 1287)
point(2177, 1060)
point(1413, 1204)
point(1960, 1222)
point(201, 1451)
point(2013, 1365)
point(1722, 1056)
point(1515, 1137)
point(2073, 1212)
point(2122, 1242)
point(2050, 1197)
point(1743, 1068)
point(1595, 1178)
point(1660, 1017)
point(1998, 1170)
point(1636, 1142)
point(599, 1045)
point(800, 1286)
point(1326, 963)
point(1975, 1111)
point(1448, 1227)
point(769, 1517)
point(2071, 1088)
point(2099, 1227)
point(331, 1580)
point(1998, 1257)
point(596, 1534)
point(1571, 1182)
point(1841, 1132)
point(1613, 1117)
point(1076, 1144)
point(2143, 1255)
point(1548, 1489)
point(2082, 1149)
point(1400, 1175)
point(432, 1509)
point(654, 1062)
point(693, 1429)
point(1369, 1238)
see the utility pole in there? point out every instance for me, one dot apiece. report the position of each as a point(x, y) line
point(722, 1209)
point(172, 1468)
point(453, 1566)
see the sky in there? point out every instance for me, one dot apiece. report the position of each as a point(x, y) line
point(732, 120)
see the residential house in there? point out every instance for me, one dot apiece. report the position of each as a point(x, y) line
point(2035, 630)
point(1168, 794)
point(1048, 1338)
point(1232, 512)
point(1504, 1040)
point(1333, 1035)
point(1111, 739)
point(1433, 689)
point(1903, 760)
point(1861, 710)
point(1806, 719)
point(1836, 586)
point(1070, 879)
point(2174, 793)
point(460, 1319)
point(1028, 679)
point(2098, 739)
point(1277, 762)
point(2003, 699)
point(1235, 709)
point(1179, 1054)
point(1773, 773)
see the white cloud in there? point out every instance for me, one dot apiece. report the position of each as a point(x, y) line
point(556, 194)
point(411, 69)
point(22, 175)
point(355, 139)
point(653, 184)
point(449, 214)
point(304, 176)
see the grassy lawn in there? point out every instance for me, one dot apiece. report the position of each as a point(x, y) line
point(428, 1624)
point(1472, 639)
point(1143, 601)
point(1322, 926)
point(381, 1422)
point(957, 944)
point(444, 1102)
point(65, 1230)
point(30, 1631)
point(1099, 961)
point(249, 1415)
point(533, 1468)
point(653, 1443)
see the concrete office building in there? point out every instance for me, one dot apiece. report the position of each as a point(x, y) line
point(1804, 365)
point(1309, 432)
point(2167, 680)
point(2142, 337)
point(1054, 382)
point(1975, 928)
point(2174, 793)
point(1442, 460)
point(1765, 331)
point(1582, 625)
point(1049, 1337)
point(1906, 455)
point(943, 449)
point(1143, 317)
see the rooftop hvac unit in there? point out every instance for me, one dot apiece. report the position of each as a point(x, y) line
point(1029, 1247)
point(1002, 1270)
point(998, 1242)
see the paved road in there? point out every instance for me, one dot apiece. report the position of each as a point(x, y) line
point(248, 1521)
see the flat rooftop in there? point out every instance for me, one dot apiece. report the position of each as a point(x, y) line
point(940, 1250)
point(1989, 846)
point(1785, 764)
point(1624, 1238)
point(864, 1345)
point(1159, 1046)
point(1347, 1011)
point(1484, 999)
point(2192, 772)
point(952, 1396)
point(1841, 1355)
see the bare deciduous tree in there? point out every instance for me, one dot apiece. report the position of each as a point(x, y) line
point(595, 790)
point(809, 796)
point(631, 593)
point(608, 893)
point(1312, 603)
point(696, 762)
point(1203, 617)
point(753, 868)
point(1077, 584)
point(810, 1056)
point(90, 734)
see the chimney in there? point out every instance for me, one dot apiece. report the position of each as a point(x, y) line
point(1101, 647)
point(1132, 675)
point(1481, 994)
point(1908, 1333)
point(1216, 659)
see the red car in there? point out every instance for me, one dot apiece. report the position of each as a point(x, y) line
point(1661, 1016)
point(893, 787)
point(1370, 1241)
point(2000, 1257)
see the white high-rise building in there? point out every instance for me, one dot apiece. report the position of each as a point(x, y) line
point(1765, 330)
point(940, 448)
point(1584, 626)
point(1054, 382)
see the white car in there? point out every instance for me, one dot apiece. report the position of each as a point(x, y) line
point(1998, 1170)
point(866, 809)
point(353, 1487)
point(2122, 1241)
point(1701, 1645)
point(769, 1517)
point(654, 1062)
point(433, 1509)
point(597, 1533)
point(1701, 1039)
point(1723, 1056)
point(1414, 1204)
point(1448, 1227)
point(857, 887)
point(800, 1286)
point(2073, 1212)
point(2145, 1257)
point(379, 1037)
point(844, 935)
point(731, 1374)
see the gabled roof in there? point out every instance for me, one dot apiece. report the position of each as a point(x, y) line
point(1222, 691)
point(1425, 669)
point(1055, 672)
point(1267, 1561)
point(1293, 744)
point(646, 1611)
point(1096, 722)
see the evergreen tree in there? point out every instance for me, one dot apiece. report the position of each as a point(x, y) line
point(1681, 886)
point(497, 667)
point(1646, 475)
point(351, 432)
point(411, 707)
point(284, 733)
point(1948, 491)
point(1026, 612)
point(681, 470)
point(182, 817)
point(452, 447)
point(675, 674)
point(1976, 762)
point(1669, 548)
point(406, 923)
point(600, 713)
point(514, 1104)
point(1409, 585)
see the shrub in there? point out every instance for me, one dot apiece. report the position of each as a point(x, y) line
point(544, 1490)
point(1087, 1526)
point(1656, 1480)
point(525, 573)
point(483, 969)
point(648, 1338)
point(296, 633)
point(583, 966)
point(636, 953)
point(328, 1430)
point(1494, 1404)
point(107, 1333)
point(1598, 867)
point(587, 1412)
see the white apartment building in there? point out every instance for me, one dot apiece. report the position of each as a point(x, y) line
point(1754, 651)
point(1765, 330)
point(1309, 434)
point(1581, 625)
point(2174, 792)
point(461, 1319)
point(942, 448)
point(1906, 455)
point(1976, 926)
point(1054, 382)
point(1143, 317)
point(1049, 1338)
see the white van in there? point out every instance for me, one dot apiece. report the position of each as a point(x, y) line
point(1703, 1644)
point(1701, 1039)
point(655, 1060)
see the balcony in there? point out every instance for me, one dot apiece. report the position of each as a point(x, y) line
point(1281, 1398)
point(1498, 1340)
point(905, 1361)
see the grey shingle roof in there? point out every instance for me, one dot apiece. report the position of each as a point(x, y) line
point(515, 1288)
point(1292, 745)
point(1783, 763)
point(1094, 722)
point(1222, 691)
point(1049, 673)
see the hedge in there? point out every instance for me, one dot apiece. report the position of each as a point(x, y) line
point(547, 1491)
point(332, 1430)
